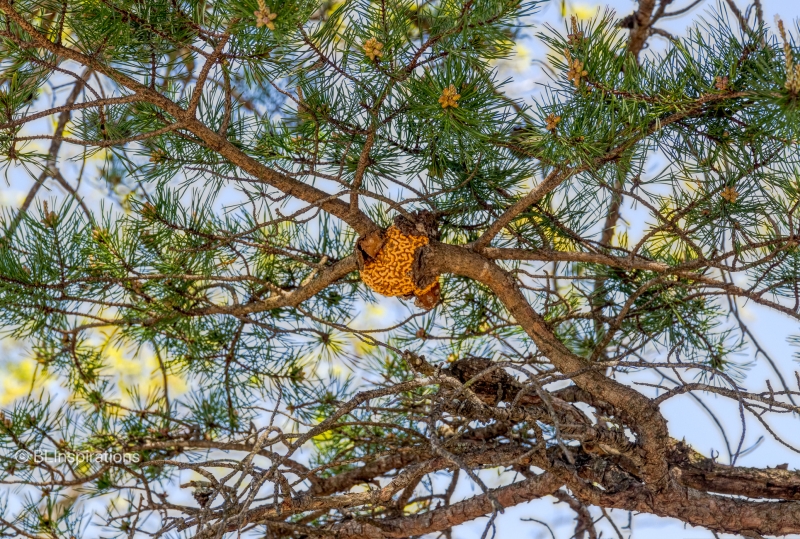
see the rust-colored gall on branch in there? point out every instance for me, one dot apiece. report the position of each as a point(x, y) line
point(388, 269)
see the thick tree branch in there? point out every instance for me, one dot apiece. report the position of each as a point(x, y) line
point(446, 517)
point(717, 513)
point(641, 24)
point(441, 258)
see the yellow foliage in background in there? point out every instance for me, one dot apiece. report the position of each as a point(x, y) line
point(16, 380)
point(137, 371)
point(131, 370)
point(557, 241)
point(323, 436)
point(581, 10)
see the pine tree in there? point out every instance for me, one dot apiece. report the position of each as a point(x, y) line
point(274, 167)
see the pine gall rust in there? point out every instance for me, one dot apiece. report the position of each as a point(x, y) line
point(389, 272)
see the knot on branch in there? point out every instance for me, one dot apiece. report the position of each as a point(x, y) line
point(418, 363)
point(389, 260)
point(627, 21)
point(493, 386)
